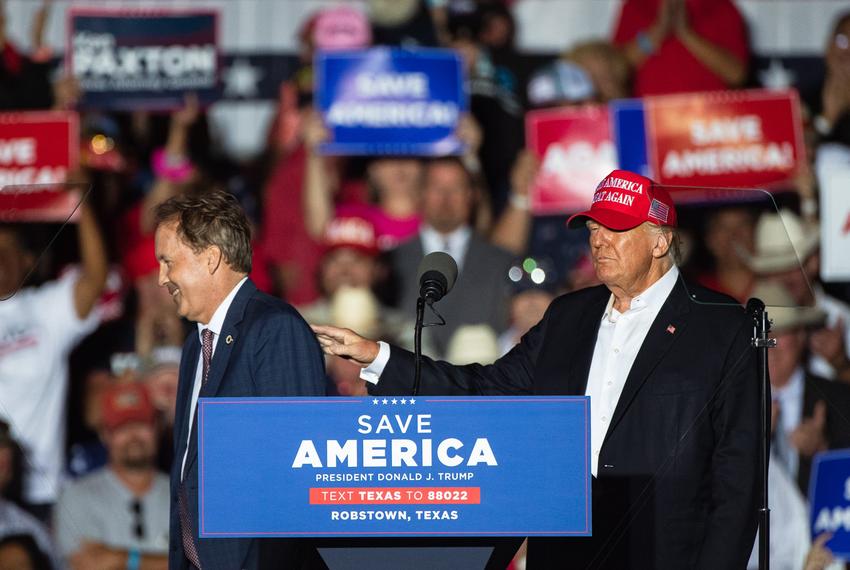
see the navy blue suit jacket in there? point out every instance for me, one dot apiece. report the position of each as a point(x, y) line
point(273, 353)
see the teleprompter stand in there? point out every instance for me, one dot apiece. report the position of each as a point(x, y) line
point(761, 342)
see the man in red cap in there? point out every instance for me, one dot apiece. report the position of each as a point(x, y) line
point(118, 516)
point(672, 381)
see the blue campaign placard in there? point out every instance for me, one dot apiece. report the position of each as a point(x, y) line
point(385, 101)
point(402, 466)
point(130, 60)
point(829, 496)
point(628, 125)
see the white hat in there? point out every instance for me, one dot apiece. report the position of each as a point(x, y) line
point(783, 311)
point(473, 343)
point(783, 241)
point(355, 308)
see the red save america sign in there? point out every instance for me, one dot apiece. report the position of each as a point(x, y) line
point(576, 151)
point(745, 139)
point(37, 149)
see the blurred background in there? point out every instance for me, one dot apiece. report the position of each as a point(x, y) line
point(119, 105)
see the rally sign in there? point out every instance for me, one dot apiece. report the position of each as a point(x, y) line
point(833, 174)
point(400, 466)
point(127, 59)
point(829, 496)
point(37, 149)
point(576, 151)
point(390, 101)
point(746, 139)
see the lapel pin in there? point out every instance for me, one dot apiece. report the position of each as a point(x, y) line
point(229, 339)
point(670, 329)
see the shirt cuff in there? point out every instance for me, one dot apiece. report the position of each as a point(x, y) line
point(372, 373)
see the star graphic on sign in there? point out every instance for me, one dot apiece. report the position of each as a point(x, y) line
point(777, 76)
point(412, 401)
point(403, 401)
point(375, 402)
point(241, 78)
point(384, 401)
point(395, 401)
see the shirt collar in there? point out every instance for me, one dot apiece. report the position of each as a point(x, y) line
point(654, 296)
point(432, 240)
point(793, 390)
point(217, 320)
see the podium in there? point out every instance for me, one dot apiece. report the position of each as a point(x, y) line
point(434, 482)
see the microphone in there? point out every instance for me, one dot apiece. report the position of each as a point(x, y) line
point(437, 275)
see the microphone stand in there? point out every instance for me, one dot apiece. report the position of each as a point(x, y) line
point(761, 342)
point(417, 344)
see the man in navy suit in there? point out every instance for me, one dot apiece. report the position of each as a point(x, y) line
point(673, 394)
point(247, 344)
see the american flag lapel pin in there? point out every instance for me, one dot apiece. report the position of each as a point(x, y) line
point(671, 329)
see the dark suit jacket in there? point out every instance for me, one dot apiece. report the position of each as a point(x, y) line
point(480, 295)
point(836, 394)
point(274, 353)
point(677, 485)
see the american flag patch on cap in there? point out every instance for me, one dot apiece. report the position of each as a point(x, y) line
point(659, 211)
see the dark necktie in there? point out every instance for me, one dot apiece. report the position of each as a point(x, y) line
point(207, 336)
point(189, 546)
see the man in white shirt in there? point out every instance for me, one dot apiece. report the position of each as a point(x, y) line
point(672, 380)
point(39, 326)
point(481, 293)
point(809, 412)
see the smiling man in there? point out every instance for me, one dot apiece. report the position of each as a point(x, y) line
point(672, 384)
point(247, 344)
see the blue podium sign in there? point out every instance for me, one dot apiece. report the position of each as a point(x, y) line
point(429, 466)
point(829, 496)
point(390, 101)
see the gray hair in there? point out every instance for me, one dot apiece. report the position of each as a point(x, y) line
point(674, 252)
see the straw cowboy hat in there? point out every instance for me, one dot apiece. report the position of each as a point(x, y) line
point(783, 241)
point(783, 311)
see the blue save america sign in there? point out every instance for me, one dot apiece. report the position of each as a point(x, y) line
point(391, 101)
point(829, 496)
point(402, 466)
point(130, 59)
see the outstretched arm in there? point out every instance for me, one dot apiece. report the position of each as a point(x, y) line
point(511, 374)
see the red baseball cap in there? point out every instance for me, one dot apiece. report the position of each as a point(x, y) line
point(125, 403)
point(352, 232)
point(625, 200)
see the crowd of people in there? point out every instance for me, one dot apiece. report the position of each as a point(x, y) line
point(90, 343)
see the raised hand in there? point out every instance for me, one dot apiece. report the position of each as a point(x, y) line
point(810, 436)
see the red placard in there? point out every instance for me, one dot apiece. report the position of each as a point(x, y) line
point(746, 139)
point(37, 149)
point(576, 151)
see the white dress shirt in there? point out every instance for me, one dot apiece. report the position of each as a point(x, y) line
point(215, 324)
point(617, 344)
point(790, 400)
point(455, 244)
